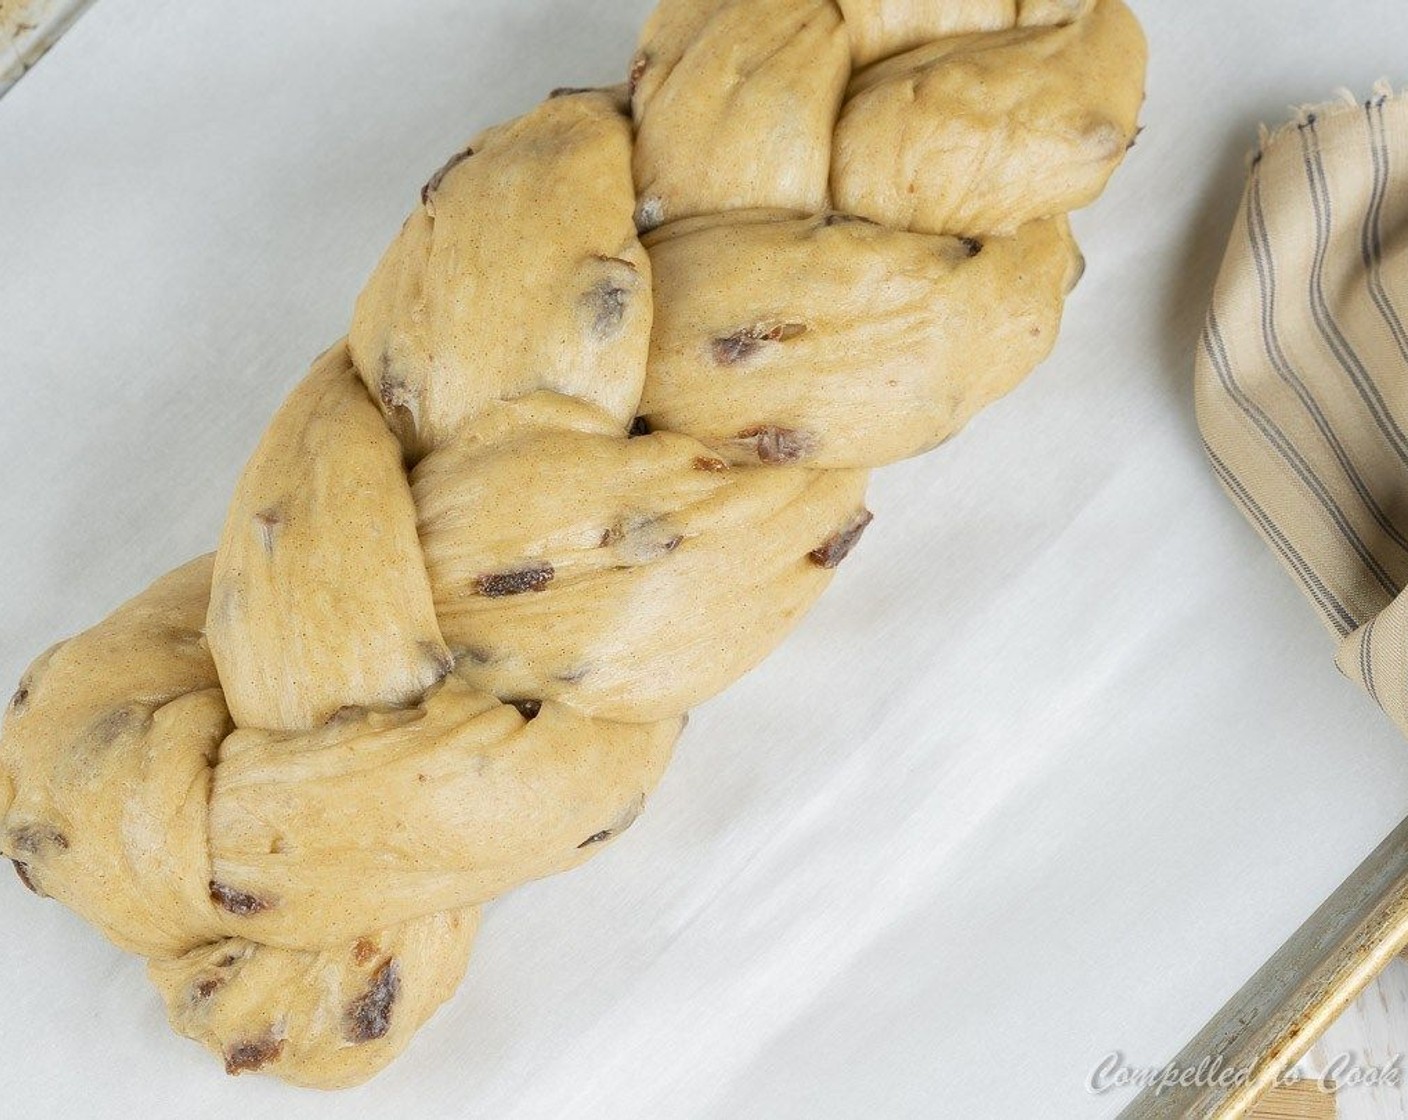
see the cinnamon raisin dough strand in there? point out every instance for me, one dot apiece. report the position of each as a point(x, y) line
point(520, 270)
point(114, 737)
point(979, 134)
point(870, 344)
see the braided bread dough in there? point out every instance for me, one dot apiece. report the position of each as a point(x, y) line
point(598, 437)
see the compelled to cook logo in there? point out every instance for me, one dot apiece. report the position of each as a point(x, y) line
point(1344, 1071)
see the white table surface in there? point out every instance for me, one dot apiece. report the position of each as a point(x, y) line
point(1054, 767)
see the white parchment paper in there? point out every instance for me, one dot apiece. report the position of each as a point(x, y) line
point(1060, 760)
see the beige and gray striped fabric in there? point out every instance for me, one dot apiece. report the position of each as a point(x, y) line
point(1302, 374)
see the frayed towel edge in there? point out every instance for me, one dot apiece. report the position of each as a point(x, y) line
point(1343, 101)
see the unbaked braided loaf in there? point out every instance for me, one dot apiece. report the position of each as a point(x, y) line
point(596, 440)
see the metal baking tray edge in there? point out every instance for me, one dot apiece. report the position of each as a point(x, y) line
point(1263, 1030)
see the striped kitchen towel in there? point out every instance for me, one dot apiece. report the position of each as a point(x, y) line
point(1302, 374)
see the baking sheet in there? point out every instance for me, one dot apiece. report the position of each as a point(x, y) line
point(27, 29)
point(1058, 762)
